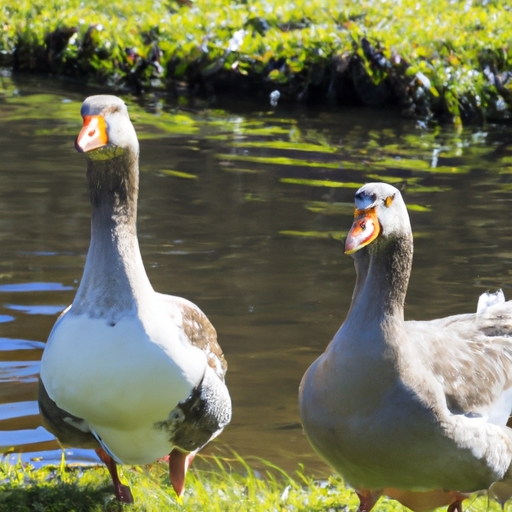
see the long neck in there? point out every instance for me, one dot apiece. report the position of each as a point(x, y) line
point(114, 271)
point(364, 355)
point(380, 295)
point(361, 264)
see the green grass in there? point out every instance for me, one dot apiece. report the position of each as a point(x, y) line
point(429, 58)
point(214, 485)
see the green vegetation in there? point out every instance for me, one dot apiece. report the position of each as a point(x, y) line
point(220, 485)
point(445, 58)
point(216, 486)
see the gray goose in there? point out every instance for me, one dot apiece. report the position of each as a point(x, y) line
point(415, 410)
point(132, 373)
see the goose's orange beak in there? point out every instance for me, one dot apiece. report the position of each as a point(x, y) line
point(365, 229)
point(179, 463)
point(93, 134)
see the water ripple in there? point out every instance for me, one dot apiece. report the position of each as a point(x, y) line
point(18, 410)
point(34, 287)
point(19, 371)
point(11, 438)
point(19, 344)
point(36, 310)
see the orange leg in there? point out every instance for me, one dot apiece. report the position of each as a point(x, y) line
point(424, 501)
point(122, 492)
point(367, 499)
point(456, 506)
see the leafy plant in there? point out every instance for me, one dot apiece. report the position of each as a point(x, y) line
point(452, 57)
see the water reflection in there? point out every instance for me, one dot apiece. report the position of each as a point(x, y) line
point(241, 212)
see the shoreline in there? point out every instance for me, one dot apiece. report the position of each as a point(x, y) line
point(451, 61)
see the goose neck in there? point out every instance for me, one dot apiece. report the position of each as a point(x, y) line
point(387, 269)
point(114, 275)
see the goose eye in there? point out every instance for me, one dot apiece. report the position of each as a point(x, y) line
point(389, 201)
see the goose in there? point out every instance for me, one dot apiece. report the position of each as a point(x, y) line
point(414, 410)
point(132, 373)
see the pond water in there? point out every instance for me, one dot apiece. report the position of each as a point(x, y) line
point(242, 210)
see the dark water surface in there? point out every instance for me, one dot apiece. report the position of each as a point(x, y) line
point(241, 211)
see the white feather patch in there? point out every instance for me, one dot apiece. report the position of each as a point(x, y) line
point(122, 379)
point(486, 300)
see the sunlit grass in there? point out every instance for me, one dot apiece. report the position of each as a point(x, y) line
point(214, 485)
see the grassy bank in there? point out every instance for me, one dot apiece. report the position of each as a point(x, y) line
point(445, 58)
point(214, 485)
point(219, 485)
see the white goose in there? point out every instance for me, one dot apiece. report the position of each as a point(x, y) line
point(413, 410)
point(130, 372)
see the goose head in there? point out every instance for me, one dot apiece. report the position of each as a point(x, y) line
point(107, 131)
point(380, 214)
point(109, 143)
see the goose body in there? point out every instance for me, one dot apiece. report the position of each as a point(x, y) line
point(414, 410)
point(127, 403)
point(130, 372)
